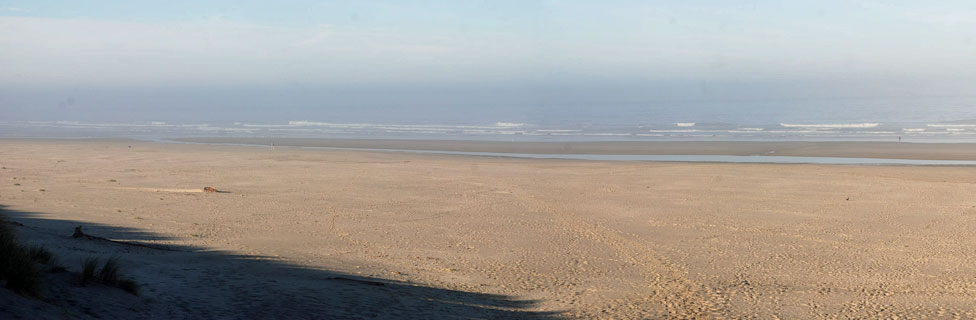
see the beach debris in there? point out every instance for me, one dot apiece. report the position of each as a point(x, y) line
point(848, 198)
point(15, 223)
point(366, 282)
point(79, 233)
point(209, 189)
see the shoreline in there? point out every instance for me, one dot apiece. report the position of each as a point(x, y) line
point(874, 150)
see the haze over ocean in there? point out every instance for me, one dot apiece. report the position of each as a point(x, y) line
point(834, 70)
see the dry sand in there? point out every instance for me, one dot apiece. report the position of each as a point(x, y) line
point(351, 234)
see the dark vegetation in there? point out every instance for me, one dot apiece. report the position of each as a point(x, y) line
point(107, 275)
point(21, 266)
point(18, 268)
point(88, 271)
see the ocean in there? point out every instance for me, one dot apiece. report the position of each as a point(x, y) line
point(916, 119)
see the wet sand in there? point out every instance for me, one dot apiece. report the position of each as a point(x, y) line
point(881, 150)
point(457, 236)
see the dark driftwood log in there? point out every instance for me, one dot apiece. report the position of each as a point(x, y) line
point(81, 234)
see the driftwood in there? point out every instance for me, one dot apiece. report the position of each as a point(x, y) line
point(366, 282)
point(15, 223)
point(81, 234)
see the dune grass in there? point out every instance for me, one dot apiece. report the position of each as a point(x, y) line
point(88, 270)
point(20, 266)
point(108, 274)
point(40, 254)
point(129, 285)
point(17, 267)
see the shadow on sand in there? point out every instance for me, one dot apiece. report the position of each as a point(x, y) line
point(191, 282)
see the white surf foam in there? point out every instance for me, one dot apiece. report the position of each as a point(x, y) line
point(556, 130)
point(387, 126)
point(940, 125)
point(831, 125)
point(509, 124)
point(607, 134)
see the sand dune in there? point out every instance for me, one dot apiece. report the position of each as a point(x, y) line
point(307, 233)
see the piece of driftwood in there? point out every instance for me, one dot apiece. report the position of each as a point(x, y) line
point(81, 234)
point(367, 282)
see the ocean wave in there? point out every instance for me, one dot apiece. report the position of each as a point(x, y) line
point(941, 125)
point(250, 125)
point(388, 126)
point(607, 134)
point(412, 128)
point(685, 130)
point(799, 131)
point(832, 125)
point(78, 124)
point(509, 124)
point(947, 131)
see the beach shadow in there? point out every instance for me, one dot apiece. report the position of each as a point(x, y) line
point(191, 282)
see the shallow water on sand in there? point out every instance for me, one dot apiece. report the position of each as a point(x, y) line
point(701, 158)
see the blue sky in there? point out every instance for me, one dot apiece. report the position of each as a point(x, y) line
point(874, 45)
point(382, 41)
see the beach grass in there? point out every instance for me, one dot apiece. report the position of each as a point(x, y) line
point(88, 270)
point(108, 274)
point(17, 267)
point(129, 285)
point(40, 254)
point(110, 271)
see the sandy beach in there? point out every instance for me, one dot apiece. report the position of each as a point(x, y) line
point(355, 234)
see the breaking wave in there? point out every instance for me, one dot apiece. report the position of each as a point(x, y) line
point(831, 125)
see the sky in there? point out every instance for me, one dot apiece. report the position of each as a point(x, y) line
point(129, 60)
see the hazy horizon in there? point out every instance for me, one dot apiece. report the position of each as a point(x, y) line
point(500, 61)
